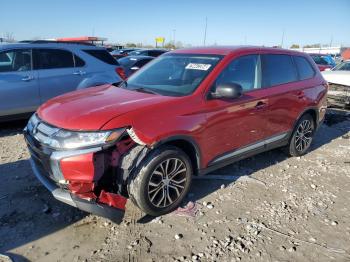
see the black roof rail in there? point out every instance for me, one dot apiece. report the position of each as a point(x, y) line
point(54, 42)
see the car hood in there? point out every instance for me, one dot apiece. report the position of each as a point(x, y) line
point(91, 108)
point(337, 77)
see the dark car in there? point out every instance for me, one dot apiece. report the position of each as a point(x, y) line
point(323, 62)
point(122, 52)
point(133, 63)
point(187, 113)
point(148, 52)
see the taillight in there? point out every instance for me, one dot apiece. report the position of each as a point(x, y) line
point(120, 71)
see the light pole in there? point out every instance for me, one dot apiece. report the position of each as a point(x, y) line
point(205, 30)
point(174, 31)
point(282, 39)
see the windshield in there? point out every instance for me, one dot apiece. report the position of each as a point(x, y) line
point(343, 67)
point(173, 74)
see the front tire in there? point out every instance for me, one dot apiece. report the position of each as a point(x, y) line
point(302, 136)
point(161, 181)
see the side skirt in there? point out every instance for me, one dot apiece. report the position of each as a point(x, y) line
point(247, 151)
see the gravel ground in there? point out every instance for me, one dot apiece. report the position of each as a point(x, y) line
point(265, 208)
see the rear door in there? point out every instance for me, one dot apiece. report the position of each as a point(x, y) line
point(56, 72)
point(283, 91)
point(19, 91)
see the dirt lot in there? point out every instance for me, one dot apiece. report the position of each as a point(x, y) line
point(272, 208)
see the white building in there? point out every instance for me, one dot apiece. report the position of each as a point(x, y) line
point(331, 50)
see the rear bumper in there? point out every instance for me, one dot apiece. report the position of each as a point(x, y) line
point(114, 214)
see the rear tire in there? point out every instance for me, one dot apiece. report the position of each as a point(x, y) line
point(161, 181)
point(302, 136)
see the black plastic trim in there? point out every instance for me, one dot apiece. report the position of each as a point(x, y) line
point(266, 147)
point(188, 139)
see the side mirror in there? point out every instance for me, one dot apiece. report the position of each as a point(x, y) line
point(228, 90)
point(134, 68)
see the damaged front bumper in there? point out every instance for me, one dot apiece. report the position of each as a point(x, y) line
point(114, 214)
point(338, 95)
point(78, 177)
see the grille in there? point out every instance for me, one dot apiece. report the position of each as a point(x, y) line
point(37, 136)
point(40, 130)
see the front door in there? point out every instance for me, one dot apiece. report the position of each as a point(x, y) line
point(233, 124)
point(19, 90)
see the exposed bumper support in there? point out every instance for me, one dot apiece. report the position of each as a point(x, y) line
point(114, 214)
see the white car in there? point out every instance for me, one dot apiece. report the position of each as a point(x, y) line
point(339, 84)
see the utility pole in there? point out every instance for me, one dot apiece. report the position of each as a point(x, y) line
point(331, 41)
point(205, 30)
point(282, 39)
point(174, 31)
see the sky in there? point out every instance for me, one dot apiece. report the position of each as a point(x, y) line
point(264, 22)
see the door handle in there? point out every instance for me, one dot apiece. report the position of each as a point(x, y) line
point(80, 72)
point(300, 95)
point(260, 105)
point(27, 78)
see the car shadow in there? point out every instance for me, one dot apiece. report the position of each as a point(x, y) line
point(27, 209)
point(11, 128)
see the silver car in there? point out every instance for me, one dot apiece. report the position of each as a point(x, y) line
point(31, 73)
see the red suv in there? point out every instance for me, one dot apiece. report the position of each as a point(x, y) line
point(186, 113)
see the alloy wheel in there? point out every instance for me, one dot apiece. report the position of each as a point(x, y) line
point(167, 182)
point(303, 136)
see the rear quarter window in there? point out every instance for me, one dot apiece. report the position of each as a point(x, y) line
point(305, 70)
point(277, 69)
point(103, 56)
point(78, 61)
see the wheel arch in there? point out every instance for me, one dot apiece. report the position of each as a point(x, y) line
point(313, 111)
point(186, 144)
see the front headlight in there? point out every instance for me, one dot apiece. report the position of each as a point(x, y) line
point(65, 139)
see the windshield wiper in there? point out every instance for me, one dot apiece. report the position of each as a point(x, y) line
point(145, 90)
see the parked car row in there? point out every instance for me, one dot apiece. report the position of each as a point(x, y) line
point(187, 113)
point(132, 59)
point(119, 53)
point(31, 73)
point(131, 64)
point(323, 62)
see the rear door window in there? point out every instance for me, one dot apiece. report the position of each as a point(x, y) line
point(16, 60)
point(52, 59)
point(304, 68)
point(102, 55)
point(277, 70)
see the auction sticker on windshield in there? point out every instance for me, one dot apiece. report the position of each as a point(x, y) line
point(196, 66)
